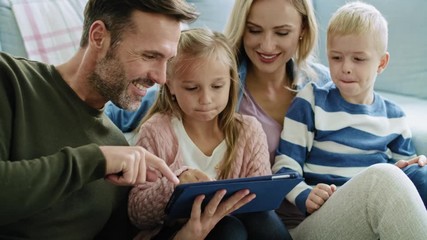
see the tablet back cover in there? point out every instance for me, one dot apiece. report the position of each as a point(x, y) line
point(269, 194)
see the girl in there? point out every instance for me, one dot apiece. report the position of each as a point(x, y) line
point(193, 126)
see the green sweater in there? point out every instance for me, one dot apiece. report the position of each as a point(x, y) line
point(51, 169)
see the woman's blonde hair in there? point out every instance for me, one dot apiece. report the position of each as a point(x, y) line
point(236, 25)
point(195, 45)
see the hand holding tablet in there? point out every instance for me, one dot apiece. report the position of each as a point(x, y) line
point(270, 191)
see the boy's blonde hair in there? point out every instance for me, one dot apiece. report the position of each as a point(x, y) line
point(195, 45)
point(359, 18)
point(236, 25)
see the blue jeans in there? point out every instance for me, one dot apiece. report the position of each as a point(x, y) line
point(253, 226)
point(418, 176)
point(264, 225)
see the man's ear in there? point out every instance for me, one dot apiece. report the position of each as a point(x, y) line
point(99, 36)
point(383, 62)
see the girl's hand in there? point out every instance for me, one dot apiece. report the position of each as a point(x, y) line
point(318, 196)
point(420, 160)
point(193, 175)
point(201, 223)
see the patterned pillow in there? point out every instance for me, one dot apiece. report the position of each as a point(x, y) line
point(54, 37)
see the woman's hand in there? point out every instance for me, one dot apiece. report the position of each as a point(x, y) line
point(420, 160)
point(318, 196)
point(201, 223)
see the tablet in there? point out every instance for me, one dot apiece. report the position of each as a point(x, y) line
point(270, 191)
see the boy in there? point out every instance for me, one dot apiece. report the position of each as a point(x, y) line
point(332, 133)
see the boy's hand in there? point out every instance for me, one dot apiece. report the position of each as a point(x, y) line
point(318, 196)
point(421, 160)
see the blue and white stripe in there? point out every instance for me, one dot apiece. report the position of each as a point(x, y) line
point(328, 140)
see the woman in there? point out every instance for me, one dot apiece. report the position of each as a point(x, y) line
point(274, 41)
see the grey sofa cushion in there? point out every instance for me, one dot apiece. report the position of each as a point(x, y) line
point(415, 110)
point(213, 13)
point(10, 37)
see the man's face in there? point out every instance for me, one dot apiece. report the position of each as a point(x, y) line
point(138, 60)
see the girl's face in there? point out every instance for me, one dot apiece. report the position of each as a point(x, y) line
point(272, 33)
point(202, 92)
point(354, 63)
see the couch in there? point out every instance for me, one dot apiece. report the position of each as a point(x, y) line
point(402, 82)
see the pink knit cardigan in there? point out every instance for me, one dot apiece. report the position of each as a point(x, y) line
point(148, 201)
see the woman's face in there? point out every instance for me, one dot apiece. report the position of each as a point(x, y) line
point(272, 33)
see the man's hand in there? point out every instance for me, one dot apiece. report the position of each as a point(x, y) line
point(420, 160)
point(318, 196)
point(131, 165)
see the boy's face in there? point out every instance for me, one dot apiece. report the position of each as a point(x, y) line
point(354, 62)
point(202, 92)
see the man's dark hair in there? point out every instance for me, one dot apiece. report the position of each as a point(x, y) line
point(116, 14)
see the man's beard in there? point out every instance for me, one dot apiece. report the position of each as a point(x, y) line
point(109, 80)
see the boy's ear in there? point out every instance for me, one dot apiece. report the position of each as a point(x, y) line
point(383, 62)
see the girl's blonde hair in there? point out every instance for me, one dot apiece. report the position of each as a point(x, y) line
point(359, 18)
point(236, 25)
point(196, 45)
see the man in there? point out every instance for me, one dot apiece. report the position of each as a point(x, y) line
point(57, 148)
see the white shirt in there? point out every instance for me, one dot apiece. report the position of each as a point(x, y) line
point(193, 156)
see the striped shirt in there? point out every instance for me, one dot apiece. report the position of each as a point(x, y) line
point(329, 140)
